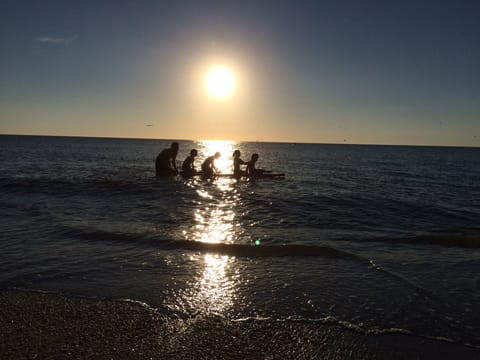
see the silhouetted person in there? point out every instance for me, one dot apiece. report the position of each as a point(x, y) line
point(237, 172)
point(188, 166)
point(253, 172)
point(208, 166)
point(165, 162)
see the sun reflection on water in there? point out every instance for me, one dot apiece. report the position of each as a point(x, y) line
point(216, 228)
point(214, 288)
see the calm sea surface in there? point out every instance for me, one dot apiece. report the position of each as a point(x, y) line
point(376, 238)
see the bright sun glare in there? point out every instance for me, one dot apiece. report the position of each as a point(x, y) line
point(220, 82)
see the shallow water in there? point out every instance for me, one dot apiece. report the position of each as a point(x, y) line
point(378, 238)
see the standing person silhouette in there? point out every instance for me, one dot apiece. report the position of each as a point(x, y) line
point(208, 166)
point(188, 166)
point(237, 161)
point(165, 162)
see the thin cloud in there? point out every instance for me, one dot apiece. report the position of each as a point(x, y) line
point(56, 40)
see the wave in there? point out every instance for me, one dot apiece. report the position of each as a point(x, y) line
point(307, 333)
point(466, 240)
point(469, 240)
point(358, 328)
point(245, 250)
point(239, 250)
point(270, 321)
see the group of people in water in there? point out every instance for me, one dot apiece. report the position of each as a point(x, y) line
point(165, 165)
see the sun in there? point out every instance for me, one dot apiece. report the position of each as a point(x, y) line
point(220, 82)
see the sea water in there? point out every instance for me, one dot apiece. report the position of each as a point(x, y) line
point(376, 238)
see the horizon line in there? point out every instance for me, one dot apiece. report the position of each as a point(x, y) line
point(245, 141)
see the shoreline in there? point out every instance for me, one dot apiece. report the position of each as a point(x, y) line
point(45, 325)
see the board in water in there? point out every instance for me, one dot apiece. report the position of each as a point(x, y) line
point(259, 176)
point(268, 175)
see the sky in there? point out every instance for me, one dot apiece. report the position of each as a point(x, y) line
point(341, 71)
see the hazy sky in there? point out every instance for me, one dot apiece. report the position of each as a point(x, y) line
point(381, 72)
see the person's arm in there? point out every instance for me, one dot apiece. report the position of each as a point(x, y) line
point(174, 163)
point(249, 168)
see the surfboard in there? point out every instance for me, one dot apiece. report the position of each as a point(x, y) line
point(259, 176)
point(266, 175)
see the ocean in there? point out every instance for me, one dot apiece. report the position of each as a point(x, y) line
point(378, 239)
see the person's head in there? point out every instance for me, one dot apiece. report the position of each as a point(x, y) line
point(174, 146)
point(193, 152)
point(255, 157)
point(217, 155)
point(236, 153)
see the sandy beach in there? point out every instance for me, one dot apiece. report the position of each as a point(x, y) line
point(48, 326)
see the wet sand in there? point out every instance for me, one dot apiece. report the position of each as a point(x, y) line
point(47, 326)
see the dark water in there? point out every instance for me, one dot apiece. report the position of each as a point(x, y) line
point(377, 238)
